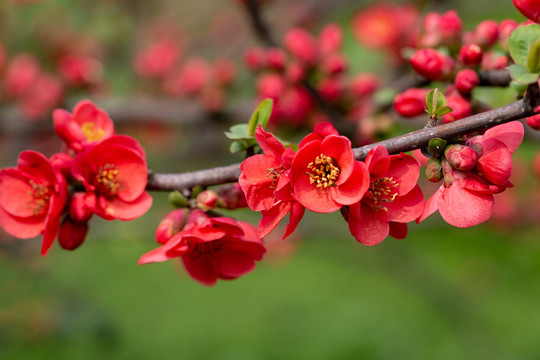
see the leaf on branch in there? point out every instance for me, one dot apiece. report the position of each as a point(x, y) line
point(521, 42)
point(533, 62)
point(436, 103)
point(239, 131)
point(522, 75)
point(261, 115)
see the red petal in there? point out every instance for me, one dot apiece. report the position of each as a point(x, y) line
point(256, 183)
point(124, 210)
point(37, 167)
point(398, 230)
point(463, 208)
point(405, 170)
point(511, 134)
point(496, 162)
point(315, 199)
point(431, 205)
point(296, 214)
point(339, 149)
point(16, 193)
point(407, 207)
point(156, 255)
point(378, 160)
point(23, 228)
point(354, 189)
point(368, 226)
point(201, 269)
point(272, 217)
point(234, 263)
point(269, 144)
point(322, 130)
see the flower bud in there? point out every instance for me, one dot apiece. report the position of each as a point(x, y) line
point(224, 70)
point(506, 27)
point(22, 71)
point(364, 84)
point(62, 162)
point(171, 224)
point(207, 200)
point(434, 170)
point(333, 64)
point(255, 58)
point(330, 89)
point(72, 234)
point(436, 146)
point(177, 199)
point(411, 102)
point(450, 27)
point(494, 61)
point(330, 38)
point(461, 157)
point(78, 211)
point(460, 105)
point(431, 64)
point(275, 58)
point(529, 8)
point(295, 72)
point(534, 121)
point(470, 54)
point(231, 197)
point(486, 33)
point(302, 45)
point(271, 86)
point(466, 80)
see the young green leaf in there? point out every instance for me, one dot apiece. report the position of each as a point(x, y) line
point(533, 62)
point(521, 41)
point(261, 115)
point(238, 131)
point(443, 110)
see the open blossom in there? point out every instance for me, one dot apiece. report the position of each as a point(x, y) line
point(114, 174)
point(85, 126)
point(325, 174)
point(265, 182)
point(392, 200)
point(211, 248)
point(32, 197)
point(466, 197)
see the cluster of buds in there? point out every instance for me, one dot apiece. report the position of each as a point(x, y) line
point(472, 172)
point(36, 89)
point(318, 62)
point(161, 64)
point(98, 173)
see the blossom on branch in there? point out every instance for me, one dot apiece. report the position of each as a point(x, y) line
point(32, 197)
point(211, 248)
point(392, 200)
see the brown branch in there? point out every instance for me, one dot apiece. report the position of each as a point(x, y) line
point(411, 141)
point(494, 77)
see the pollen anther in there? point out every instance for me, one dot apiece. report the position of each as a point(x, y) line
point(324, 171)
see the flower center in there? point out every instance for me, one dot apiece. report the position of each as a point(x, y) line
point(324, 171)
point(382, 190)
point(40, 195)
point(91, 132)
point(107, 180)
point(274, 173)
point(204, 249)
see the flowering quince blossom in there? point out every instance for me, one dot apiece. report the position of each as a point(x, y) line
point(466, 197)
point(211, 248)
point(86, 126)
point(32, 197)
point(114, 174)
point(325, 174)
point(265, 182)
point(392, 200)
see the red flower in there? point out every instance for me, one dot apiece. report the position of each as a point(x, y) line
point(114, 173)
point(86, 126)
point(324, 173)
point(466, 197)
point(393, 198)
point(212, 248)
point(265, 182)
point(32, 197)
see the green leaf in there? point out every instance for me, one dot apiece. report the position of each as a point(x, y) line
point(533, 61)
point(261, 115)
point(239, 131)
point(521, 41)
point(521, 75)
point(519, 88)
point(237, 146)
point(443, 110)
point(434, 101)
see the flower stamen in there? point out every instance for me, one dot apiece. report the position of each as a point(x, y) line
point(107, 180)
point(324, 171)
point(91, 132)
point(382, 190)
point(40, 196)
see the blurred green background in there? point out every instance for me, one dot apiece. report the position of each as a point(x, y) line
point(443, 293)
